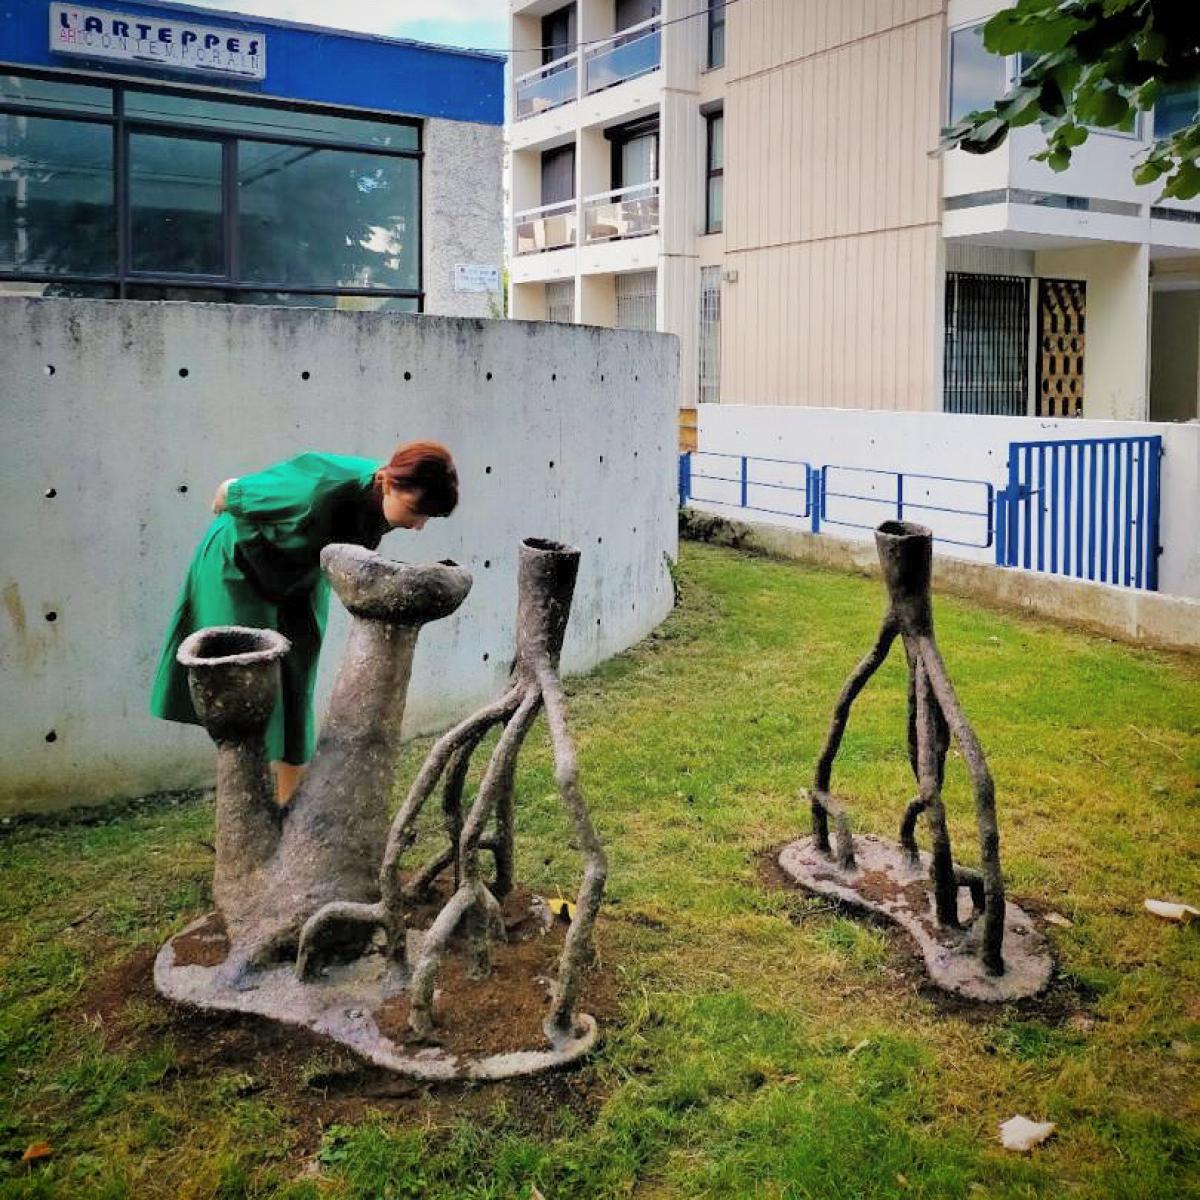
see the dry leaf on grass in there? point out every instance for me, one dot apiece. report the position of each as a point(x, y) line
point(36, 1150)
point(1183, 913)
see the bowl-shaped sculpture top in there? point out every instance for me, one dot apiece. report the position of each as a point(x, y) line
point(906, 556)
point(233, 677)
point(382, 589)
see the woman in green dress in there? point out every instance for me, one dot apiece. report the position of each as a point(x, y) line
point(259, 565)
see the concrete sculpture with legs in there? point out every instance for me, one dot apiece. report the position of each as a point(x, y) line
point(991, 950)
point(311, 924)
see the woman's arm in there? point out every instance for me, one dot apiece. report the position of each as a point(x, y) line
point(222, 494)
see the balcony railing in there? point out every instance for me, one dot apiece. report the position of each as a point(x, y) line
point(626, 55)
point(549, 86)
point(550, 227)
point(624, 213)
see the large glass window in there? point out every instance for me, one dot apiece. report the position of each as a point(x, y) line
point(978, 77)
point(287, 196)
point(137, 193)
point(57, 215)
point(175, 205)
point(1176, 109)
point(714, 204)
point(716, 33)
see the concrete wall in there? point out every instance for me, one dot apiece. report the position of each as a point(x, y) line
point(943, 444)
point(463, 211)
point(109, 456)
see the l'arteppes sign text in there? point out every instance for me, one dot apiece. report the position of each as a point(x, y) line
point(177, 45)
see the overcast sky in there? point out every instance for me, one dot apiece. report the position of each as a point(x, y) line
point(477, 23)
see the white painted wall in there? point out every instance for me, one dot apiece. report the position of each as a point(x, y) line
point(543, 448)
point(945, 444)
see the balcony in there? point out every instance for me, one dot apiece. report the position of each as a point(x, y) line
point(550, 227)
point(626, 55)
point(629, 54)
point(548, 87)
point(625, 213)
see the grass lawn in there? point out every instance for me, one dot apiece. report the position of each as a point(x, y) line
point(761, 1044)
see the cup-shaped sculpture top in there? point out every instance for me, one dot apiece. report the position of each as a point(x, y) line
point(382, 589)
point(906, 556)
point(233, 677)
point(545, 587)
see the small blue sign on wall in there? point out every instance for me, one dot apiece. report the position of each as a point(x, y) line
point(172, 44)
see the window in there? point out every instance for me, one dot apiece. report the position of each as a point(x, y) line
point(978, 78)
point(635, 153)
point(637, 301)
point(1175, 110)
point(716, 33)
point(986, 364)
point(634, 12)
point(710, 335)
point(558, 175)
point(558, 34)
point(714, 202)
point(135, 193)
point(560, 301)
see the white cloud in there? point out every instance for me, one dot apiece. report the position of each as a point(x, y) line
point(371, 16)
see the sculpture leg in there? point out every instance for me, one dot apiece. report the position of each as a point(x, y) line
point(945, 884)
point(577, 949)
point(822, 803)
point(985, 806)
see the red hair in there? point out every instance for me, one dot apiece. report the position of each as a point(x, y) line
point(426, 469)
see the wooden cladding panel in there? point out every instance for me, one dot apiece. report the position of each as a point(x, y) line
point(843, 323)
point(836, 144)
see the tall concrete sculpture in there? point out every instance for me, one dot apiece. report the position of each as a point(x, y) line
point(977, 945)
point(312, 905)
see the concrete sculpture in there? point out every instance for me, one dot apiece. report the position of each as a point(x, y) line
point(312, 923)
point(977, 944)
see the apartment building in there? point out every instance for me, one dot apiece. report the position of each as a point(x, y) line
point(756, 178)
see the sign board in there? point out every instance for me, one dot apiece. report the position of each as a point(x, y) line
point(174, 45)
point(475, 277)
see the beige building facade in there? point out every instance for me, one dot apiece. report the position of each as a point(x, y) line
point(757, 178)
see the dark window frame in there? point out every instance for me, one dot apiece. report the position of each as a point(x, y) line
point(716, 35)
point(711, 172)
point(124, 278)
point(617, 138)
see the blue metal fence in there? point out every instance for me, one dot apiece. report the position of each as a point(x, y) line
point(1087, 507)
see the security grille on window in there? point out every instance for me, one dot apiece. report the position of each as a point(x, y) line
point(637, 296)
point(710, 335)
point(560, 301)
point(986, 366)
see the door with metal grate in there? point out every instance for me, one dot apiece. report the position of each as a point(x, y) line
point(1062, 321)
point(986, 365)
point(710, 335)
point(637, 301)
point(560, 301)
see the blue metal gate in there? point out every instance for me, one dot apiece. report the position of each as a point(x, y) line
point(1087, 507)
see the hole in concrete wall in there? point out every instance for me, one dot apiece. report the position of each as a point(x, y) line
point(635, 379)
point(552, 464)
point(50, 368)
point(553, 377)
point(489, 377)
point(597, 620)
point(487, 562)
point(51, 493)
point(635, 529)
point(52, 736)
point(602, 458)
point(635, 454)
point(306, 375)
point(601, 378)
point(599, 541)
point(51, 615)
point(486, 656)
point(182, 489)
point(407, 376)
point(184, 372)
point(487, 470)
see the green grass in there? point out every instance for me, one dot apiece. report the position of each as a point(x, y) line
point(766, 1047)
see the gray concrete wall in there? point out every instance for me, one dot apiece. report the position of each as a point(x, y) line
point(109, 456)
point(1141, 618)
point(463, 213)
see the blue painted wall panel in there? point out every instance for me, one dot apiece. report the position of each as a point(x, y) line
point(323, 66)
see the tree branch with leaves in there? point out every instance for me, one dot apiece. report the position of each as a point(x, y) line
point(1095, 64)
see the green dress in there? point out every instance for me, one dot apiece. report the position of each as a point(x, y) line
point(259, 565)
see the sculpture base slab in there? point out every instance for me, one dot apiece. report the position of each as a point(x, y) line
point(883, 881)
point(355, 1005)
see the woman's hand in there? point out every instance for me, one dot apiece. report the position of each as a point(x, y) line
point(218, 504)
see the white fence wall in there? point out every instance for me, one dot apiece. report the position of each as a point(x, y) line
point(951, 445)
point(109, 454)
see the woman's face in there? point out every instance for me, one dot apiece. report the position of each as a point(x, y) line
point(401, 508)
